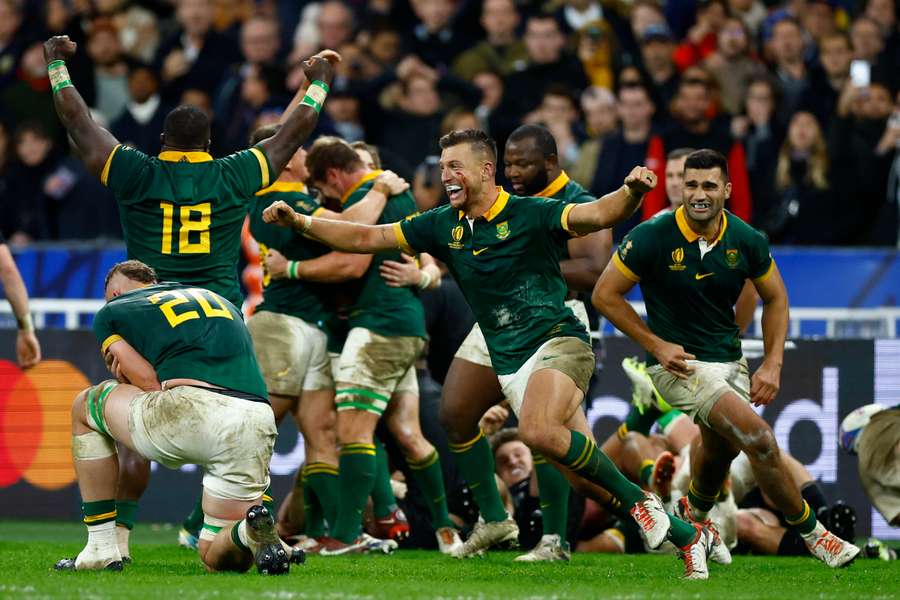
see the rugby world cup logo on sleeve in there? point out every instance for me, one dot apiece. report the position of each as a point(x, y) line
point(677, 260)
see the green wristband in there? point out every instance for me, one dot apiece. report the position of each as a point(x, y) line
point(58, 75)
point(315, 95)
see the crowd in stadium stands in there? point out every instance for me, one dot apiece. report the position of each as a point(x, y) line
point(812, 149)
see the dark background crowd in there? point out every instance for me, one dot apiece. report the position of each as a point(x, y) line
point(801, 96)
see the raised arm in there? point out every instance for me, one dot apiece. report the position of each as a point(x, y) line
point(301, 121)
point(94, 142)
point(347, 237)
point(334, 267)
point(766, 382)
point(28, 349)
point(615, 207)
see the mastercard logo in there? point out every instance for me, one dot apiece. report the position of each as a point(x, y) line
point(36, 423)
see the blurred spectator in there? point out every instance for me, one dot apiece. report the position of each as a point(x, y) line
point(413, 127)
point(434, 39)
point(657, 54)
point(428, 189)
point(384, 45)
point(200, 99)
point(558, 112)
point(327, 24)
point(343, 108)
point(457, 119)
point(732, 65)
point(826, 83)
point(261, 91)
point(11, 45)
point(596, 50)
point(887, 229)
point(491, 86)
point(805, 205)
point(643, 15)
point(751, 12)
point(138, 28)
point(762, 134)
point(703, 37)
point(259, 41)
point(818, 19)
point(501, 51)
point(626, 147)
point(867, 38)
point(26, 214)
point(578, 14)
point(195, 54)
point(110, 73)
point(548, 63)
point(142, 121)
point(601, 118)
point(675, 160)
point(786, 49)
point(28, 98)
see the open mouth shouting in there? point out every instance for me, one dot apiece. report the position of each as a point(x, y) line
point(454, 192)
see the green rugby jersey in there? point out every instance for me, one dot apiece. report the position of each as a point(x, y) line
point(690, 287)
point(507, 264)
point(569, 191)
point(386, 310)
point(303, 299)
point(184, 332)
point(182, 212)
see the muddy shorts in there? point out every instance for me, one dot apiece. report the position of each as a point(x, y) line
point(697, 394)
point(372, 367)
point(231, 438)
point(569, 355)
point(292, 354)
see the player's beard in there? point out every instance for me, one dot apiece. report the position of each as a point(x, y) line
point(537, 184)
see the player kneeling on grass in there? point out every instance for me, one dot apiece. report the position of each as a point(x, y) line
point(210, 409)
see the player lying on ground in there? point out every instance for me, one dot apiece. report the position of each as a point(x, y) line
point(692, 265)
point(211, 410)
point(472, 387)
point(182, 211)
point(504, 252)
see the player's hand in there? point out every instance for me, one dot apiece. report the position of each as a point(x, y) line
point(59, 47)
point(673, 359)
point(640, 181)
point(28, 349)
point(321, 66)
point(392, 182)
point(116, 369)
point(280, 213)
point(276, 264)
point(764, 384)
point(493, 419)
point(401, 274)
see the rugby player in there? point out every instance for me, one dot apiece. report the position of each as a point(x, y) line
point(691, 265)
point(504, 252)
point(289, 328)
point(182, 211)
point(471, 388)
point(28, 349)
point(210, 409)
point(375, 374)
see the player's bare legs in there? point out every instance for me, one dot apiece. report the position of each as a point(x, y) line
point(134, 476)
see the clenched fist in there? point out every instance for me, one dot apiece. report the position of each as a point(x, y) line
point(59, 47)
point(280, 213)
point(640, 181)
point(321, 66)
point(391, 183)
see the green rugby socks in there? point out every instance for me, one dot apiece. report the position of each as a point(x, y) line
point(646, 472)
point(268, 502)
point(476, 464)
point(430, 480)
point(701, 502)
point(584, 458)
point(804, 522)
point(383, 500)
point(356, 475)
point(194, 521)
point(126, 513)
point(99, 512)
point(320, 497)
point(553, 490)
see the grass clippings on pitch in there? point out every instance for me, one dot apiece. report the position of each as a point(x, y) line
point(163, 570)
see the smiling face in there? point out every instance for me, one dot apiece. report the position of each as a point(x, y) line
point(704, 194)
point(514, 462)
point(465, 173)
point(525, 167)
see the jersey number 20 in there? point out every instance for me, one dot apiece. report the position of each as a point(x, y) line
point(201, 297)
point(192, 220)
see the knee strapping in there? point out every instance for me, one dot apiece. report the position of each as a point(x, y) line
point(212, 526)
point(92, 446)
point(95, 403)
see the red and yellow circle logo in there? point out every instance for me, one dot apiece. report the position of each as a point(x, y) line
point(36, 423)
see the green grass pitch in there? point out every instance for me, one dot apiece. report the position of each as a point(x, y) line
point(162, 570)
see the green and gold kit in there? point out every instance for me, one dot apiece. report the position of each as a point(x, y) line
point(182, 212)
point(569, 191)
point(507, 264)
point(690, 286)
point(303, 299)
point(184, 332)
point(386, 310)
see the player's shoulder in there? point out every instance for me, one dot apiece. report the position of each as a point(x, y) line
point(662, 223)
point(744, 230)
point(575, 192)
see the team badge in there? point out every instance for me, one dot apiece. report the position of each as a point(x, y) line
point(503, 230)
point(456, 233)
point(731, 257)
point(677, 260)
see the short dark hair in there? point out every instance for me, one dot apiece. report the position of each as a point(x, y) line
point(476, 138)
point(186, 128)
point(679, 153)
point(542, 137)
point(504, 436)
point(330, 152)
point(263, 133)
point(134, 270)
point(371, 149)
point(707, 159)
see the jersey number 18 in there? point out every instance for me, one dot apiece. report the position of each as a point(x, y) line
point(192, 219)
